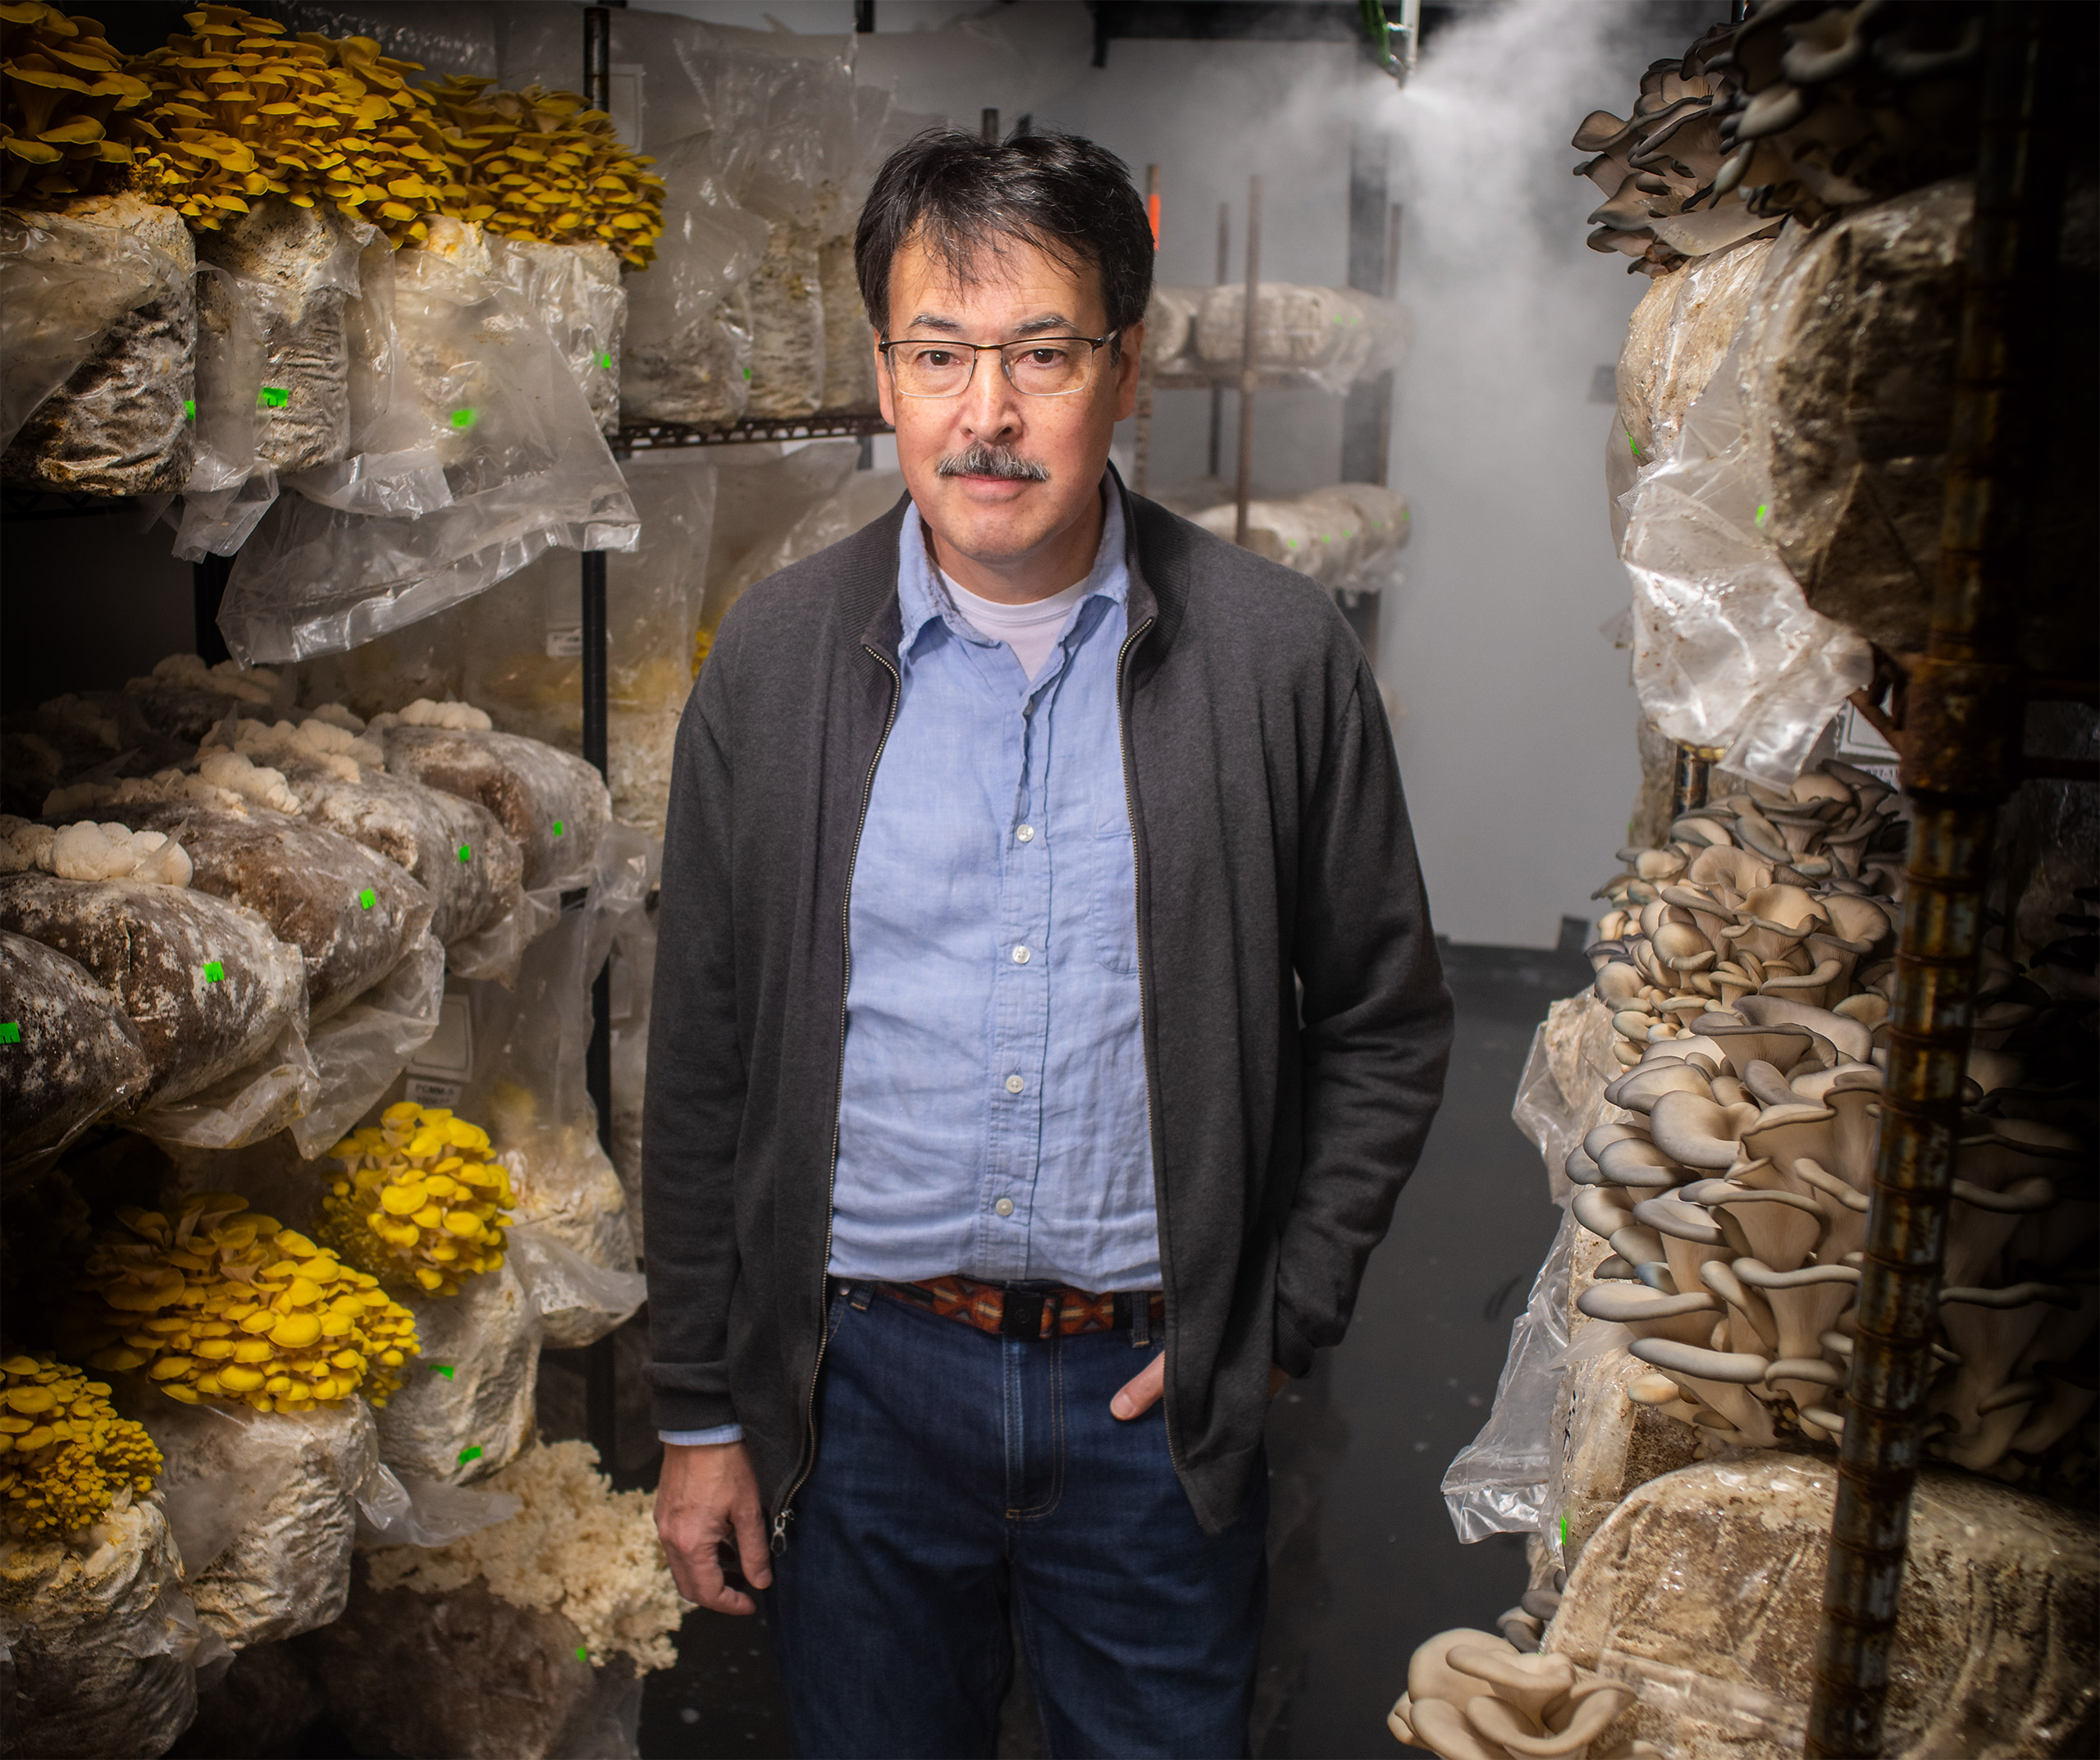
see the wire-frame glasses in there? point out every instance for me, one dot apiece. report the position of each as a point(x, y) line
point(1040, 367)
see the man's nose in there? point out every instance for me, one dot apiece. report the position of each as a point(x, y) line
point(991, 406)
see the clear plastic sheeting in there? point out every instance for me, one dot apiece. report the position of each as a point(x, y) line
point(401, 1509)
point(65, 280)
point(555, 807)
point(1726, 651)
point(358, 1054)
point(1501, 1483)
point(119, 424)
point(527, 468)
point(579, 1302)
point(253, 1103)
point(102, 1641)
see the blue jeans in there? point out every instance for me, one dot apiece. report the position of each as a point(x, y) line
point(960, 1477)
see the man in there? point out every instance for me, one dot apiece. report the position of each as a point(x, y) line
point(1046, 1017)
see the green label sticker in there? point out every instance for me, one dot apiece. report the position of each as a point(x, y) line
point(273, 397)
point(444, 1369)
point(472, 1451)
point(559, 827)
point(367, 897)
point(1764, 511)
point(463, 418)
point(747, 375)
point(11, 1032)
point(466, 852)
point(189, 409)
point(1630, 447)
point(214, 972)
point(1564, 1533)
point(583, 1652)
point(605, 360)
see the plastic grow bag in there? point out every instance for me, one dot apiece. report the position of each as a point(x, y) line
point(65, 280)
point(205, 984)
point(577, 290)
point(525, 465)
point(555, 807)
point(352, 914)
point(103, 1641)
point(579, 1302)
point(466, 1406)
point(74, 1055)
point(263, 1506)
point(119, 423)
point(689, 346)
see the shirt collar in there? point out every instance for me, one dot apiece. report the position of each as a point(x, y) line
point(921, 598)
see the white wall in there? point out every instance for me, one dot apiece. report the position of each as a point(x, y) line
point(1516, 734)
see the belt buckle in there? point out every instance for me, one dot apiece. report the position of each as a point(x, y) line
point(1020, 1313)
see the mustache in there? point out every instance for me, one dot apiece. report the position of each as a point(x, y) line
point(981, 460)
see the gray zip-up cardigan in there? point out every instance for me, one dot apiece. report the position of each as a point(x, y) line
point(1272, 846)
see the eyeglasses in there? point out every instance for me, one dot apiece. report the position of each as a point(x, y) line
point(1041, 367)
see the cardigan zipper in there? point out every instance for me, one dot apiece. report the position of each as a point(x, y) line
point(1144, 1005)
point(785, 1512)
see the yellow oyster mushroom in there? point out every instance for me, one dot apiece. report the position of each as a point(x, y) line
point(61, 1477)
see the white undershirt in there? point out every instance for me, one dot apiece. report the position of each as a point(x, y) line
point(1030, 630)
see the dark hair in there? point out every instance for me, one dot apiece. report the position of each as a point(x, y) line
point(958, 194)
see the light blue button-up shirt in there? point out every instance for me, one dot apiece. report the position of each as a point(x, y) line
point(993, 1115)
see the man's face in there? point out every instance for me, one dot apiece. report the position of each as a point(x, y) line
point(1060, 443)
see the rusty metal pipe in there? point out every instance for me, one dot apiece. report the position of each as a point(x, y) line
point(1961, 757)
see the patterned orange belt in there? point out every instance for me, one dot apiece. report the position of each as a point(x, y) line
point(1009, 1310)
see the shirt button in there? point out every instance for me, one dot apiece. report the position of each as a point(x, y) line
point(1024, 835)
point(1020, 956)
point(1015, 1083)
point(1004, 1207)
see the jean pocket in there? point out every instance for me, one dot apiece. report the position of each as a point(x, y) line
point(1112, 904)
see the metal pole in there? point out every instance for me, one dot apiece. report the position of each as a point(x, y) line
point(864, 17)
point(1247, 375)
point(600, 1363)
point(1141, 440)
point(1391, 290)
point(1217, 391)
point(1370, 244)
point(988, 125)
point(1960, 751)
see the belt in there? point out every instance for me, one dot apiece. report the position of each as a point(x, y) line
point(1023, 1310)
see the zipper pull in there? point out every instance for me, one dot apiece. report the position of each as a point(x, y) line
point(780, 1532)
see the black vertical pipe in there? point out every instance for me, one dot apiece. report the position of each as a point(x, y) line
point(1217, 391)
point(864, 17)
point(1249, 374)
point(1960, 747)
point(1370, 222)
point(600, 1364)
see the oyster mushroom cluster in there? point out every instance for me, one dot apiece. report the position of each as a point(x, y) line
point(1473, 1696)
point(421, 1198)
point(1831, 106)
point(248, 111)
point(65, 1454)
point(1658, 167)
point(1748, 964)
point(543, 164)
point(1775, 899)
point(219, 1303)
point(69, 123)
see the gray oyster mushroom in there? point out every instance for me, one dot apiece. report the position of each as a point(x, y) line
point(1747, 967)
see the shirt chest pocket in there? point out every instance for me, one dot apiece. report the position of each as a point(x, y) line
point(1112, 887)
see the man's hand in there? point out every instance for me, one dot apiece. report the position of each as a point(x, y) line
point(708, 1496)
point(1138, 1395)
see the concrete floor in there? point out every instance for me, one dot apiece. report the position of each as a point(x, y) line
point(1365, 1563)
